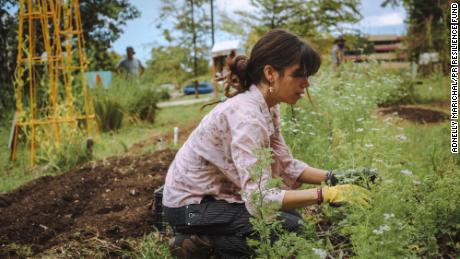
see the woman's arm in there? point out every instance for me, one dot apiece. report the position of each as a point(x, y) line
point(329, 194)
point(312, 175)
point(295, 199)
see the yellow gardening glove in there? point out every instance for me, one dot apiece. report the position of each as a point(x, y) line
point(345, 193)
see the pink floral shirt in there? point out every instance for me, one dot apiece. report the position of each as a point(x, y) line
point(217, 157)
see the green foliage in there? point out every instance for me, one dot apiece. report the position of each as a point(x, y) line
point(63, 155)
point(109, 114)
point(191, 24)
point(8, 55)
point(305, 18)
point(131, 97)
point(412, 213)
point(145, 105)
point(153, 246)
point(173, 64)
point(271, 240)
point(102, 24)
point(404, 93)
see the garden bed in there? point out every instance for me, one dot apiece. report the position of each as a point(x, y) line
point(106, 201)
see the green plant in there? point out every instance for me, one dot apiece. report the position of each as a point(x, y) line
point(145, 105)
point(109, 114)
point(153, 246)
point(270, 240)
point(64, 155)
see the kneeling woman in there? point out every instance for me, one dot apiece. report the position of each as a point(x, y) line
point(208, 185)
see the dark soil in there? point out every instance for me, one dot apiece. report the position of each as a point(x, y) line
point(109, 199)
point(415, 114)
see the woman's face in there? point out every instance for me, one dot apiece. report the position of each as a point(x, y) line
point(291, 86)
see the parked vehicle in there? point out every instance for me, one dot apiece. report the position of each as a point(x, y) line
point(203, 88)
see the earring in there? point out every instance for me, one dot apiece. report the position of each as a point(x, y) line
point(270, 87)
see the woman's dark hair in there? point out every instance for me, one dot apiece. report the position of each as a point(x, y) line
point(277, 48)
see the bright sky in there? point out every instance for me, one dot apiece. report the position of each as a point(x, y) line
point(142, 33)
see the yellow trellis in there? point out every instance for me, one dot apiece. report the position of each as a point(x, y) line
point(52, 27)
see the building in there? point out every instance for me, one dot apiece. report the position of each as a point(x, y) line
point(387, 48)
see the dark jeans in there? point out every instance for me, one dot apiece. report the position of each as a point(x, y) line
point(225, 224)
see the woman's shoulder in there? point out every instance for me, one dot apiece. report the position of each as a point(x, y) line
point(241, 104)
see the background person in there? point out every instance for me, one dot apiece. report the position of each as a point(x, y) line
point(130, 66)
point(208, 188)
point(337, 52)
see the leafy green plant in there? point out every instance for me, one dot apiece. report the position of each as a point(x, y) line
point(270, 240)
point(145, 105)
point(63, 155)
point(109, 114)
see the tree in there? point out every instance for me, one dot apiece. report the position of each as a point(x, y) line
point(102, 22)
point(191, 30)
point(8, 53)
point(305, 18)
point(169, 64)
point(428, 27)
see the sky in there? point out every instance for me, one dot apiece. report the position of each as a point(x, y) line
point(142, 34)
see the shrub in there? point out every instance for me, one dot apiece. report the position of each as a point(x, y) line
point(109, 114)
point(63, 155)
point(163, 94)
point(145, 104)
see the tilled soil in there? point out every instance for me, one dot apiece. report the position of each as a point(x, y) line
point(109, 200)
point(415, 114)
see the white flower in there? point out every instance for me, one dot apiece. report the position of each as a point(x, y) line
point(359, 130)
point(377, 231)
point(402, 137)
point(359, 119)
point(385, 227)
point(311, 133)
point(406, 172)
point(381, 229)
point(375, 129)
point(295, 130)
point(368, 146)
point(320, 252)
point(387, 216)
point(416, 182)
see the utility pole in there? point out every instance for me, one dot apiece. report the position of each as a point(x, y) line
point(194, 52)
point(212, 22)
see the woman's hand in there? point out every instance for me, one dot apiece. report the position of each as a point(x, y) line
point(345, 193)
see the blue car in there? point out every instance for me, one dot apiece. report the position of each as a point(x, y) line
point(203, 88)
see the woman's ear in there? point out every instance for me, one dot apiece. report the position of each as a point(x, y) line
point(270, 73)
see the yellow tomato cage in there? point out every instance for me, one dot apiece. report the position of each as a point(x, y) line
point(59, 24)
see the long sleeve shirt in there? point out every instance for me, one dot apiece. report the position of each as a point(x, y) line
point(217, 157)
